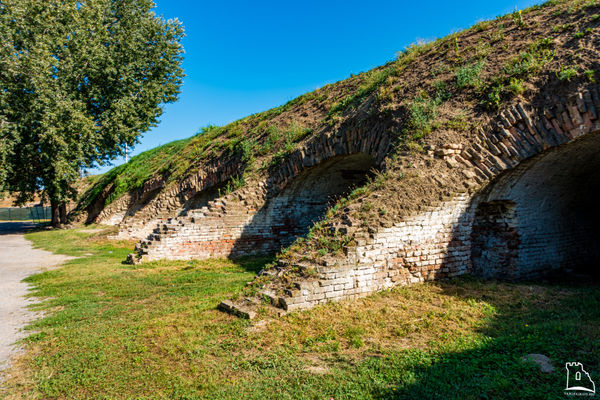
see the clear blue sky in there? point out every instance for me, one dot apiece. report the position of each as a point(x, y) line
point(243, 57)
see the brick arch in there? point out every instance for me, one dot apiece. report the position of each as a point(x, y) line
point(439, 243)
point(138, 212)
point(552, 221)
point(267, 214)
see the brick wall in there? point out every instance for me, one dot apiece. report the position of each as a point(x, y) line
point(531, 174)
point(256, 219)
point(551, 221)
point(495, 240)
point(431, 245)
point(525, 210)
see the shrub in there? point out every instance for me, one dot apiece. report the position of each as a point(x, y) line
point(566, 74)
point(442, 93)
point(235, 183)
point(531, 62)
point(459, 122)
point(414, 147)
point(273, 136)
point(592, 4)
point(590, 75)
point(516, 86)
point(245, 148)
point(517, 17)
point(497, 35)
point(562, 28)
point(493, 100)
point(422, 113)
point(371, 81)
point(469, 75)
point(278, 158)
point(482, 26)
point(296, 132)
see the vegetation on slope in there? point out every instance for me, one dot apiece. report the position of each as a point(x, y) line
point(118, 331)
point(451, 88)
point(434, 93)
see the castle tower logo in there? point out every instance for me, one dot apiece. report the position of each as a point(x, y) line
point(579, 382)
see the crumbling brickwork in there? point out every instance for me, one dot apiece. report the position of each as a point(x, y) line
point(508, 227)
point(491, 229)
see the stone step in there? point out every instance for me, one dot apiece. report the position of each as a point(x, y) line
point(249, 308)
point(272, 297)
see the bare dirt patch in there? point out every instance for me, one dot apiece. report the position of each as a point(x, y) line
point(18, 260)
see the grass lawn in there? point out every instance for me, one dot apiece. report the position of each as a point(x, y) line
point(116, 331)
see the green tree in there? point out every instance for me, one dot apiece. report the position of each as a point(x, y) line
point(80, 81)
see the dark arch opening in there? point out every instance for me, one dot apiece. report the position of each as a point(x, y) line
point(291, 212)
point(543, 217)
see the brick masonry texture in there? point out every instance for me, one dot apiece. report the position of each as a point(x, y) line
point(139, 212)
point(524, 218)
point(262, 217)
point(515, 220)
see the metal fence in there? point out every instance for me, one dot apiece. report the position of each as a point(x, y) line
point(36, 214)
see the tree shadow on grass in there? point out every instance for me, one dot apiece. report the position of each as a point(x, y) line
point(18, 228)
point(559, 321)
point(254, 263)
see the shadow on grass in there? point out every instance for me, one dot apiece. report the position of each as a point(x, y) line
point(561, 322)
point(20, 227)
point(254, 263)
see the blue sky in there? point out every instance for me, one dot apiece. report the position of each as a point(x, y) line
point(243, 57)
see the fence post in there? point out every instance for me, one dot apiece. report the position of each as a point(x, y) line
point(9, 214)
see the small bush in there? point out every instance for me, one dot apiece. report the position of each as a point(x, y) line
point(578, 35)
point(469, 75)
point(414, 147)
point(590, 75)
point(493, 100)
point(295, 133)
point(245, 148)
point(516, 86)
point(482, 26)
point(235, 183)
point(458, 122)
point(566, 74)
point(517, 17)
point(562, 28)
point(422, 113)
point(497, 35)
point(274, 134)
point(356, 193)
point(371, 81)
point(442, 93)
point(532, 61)
point(278, 158)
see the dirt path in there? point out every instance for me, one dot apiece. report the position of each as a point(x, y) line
point(18, 260)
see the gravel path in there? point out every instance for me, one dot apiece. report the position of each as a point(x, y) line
point(18, 260)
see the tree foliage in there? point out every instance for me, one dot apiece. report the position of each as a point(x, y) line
point(80, 81)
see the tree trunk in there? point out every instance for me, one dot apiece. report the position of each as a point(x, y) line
point(55, 212)
point(62, 210)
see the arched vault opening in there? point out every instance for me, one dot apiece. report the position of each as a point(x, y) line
point(542, 216)
point(293, 211)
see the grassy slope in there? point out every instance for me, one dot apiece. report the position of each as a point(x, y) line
point(116, 331)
